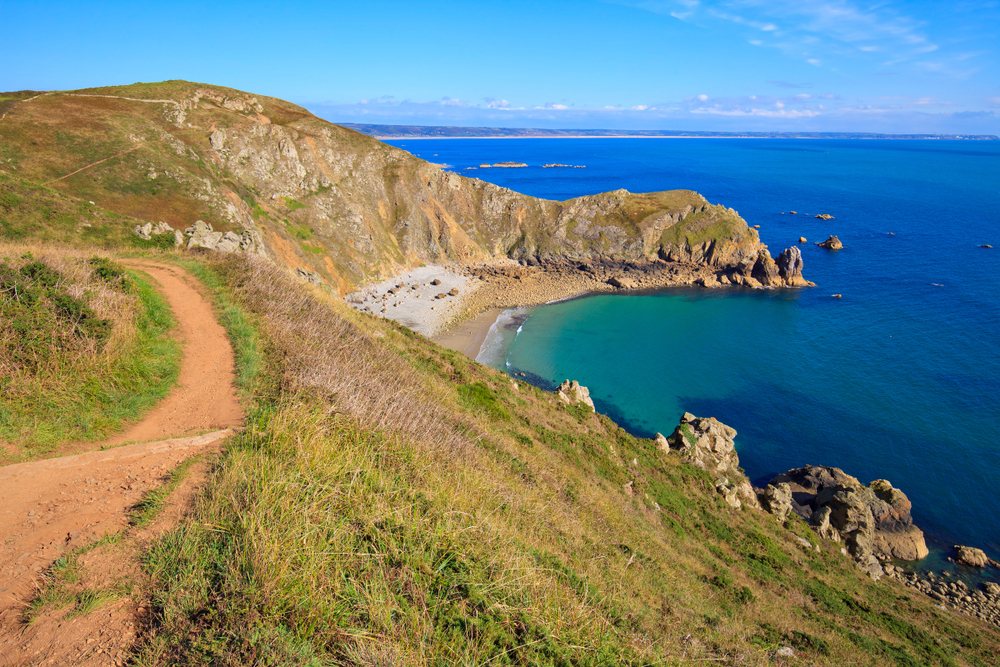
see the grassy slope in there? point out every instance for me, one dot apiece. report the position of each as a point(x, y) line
point(392, 502)
point(84, 348)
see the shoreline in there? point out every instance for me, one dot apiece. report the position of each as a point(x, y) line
point(468, 337)
point(456, 304)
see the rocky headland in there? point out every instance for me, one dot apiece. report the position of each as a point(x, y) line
point(870, 524)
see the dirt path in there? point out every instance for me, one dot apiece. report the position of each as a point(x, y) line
point(48, 508)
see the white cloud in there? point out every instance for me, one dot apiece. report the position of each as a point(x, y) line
point(703, 98)
point(640, 107)
point(493, 103)
point(813, 61)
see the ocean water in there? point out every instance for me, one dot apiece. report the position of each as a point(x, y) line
point(899, 379)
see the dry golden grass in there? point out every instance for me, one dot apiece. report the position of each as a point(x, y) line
point(392, 502)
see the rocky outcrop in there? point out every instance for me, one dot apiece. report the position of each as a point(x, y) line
point(824, 216)
point(777, 499)
point(571, 392)
point(149, 230)
point(710, 444)
point(201, 235)
point(832, 243)
point(872, 521)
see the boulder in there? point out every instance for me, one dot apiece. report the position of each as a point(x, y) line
point(777, 499)
point(970, 556)
point(832, 243)
point(871, 520)
point(661, 443)
point(824, 216)
point(201, 235)
point(802, 239)
point(622, 282)
point(572, 392)
point(149, 230)
point(436, 281)
point(453, 291)
point(991, 588)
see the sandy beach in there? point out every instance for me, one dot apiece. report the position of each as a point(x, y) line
point(468, 336)
point(458, 311)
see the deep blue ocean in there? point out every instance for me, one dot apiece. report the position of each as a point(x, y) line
point(899, 379)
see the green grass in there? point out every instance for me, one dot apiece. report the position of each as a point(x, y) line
point(149, 507)
point(69, 382)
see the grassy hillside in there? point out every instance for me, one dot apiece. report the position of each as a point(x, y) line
point(392, 502)
point(323, 197)
point(84, 348)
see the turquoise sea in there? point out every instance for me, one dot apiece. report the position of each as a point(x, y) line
point(899, 379)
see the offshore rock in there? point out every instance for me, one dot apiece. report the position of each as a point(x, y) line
point(832, 243)
point(970, 556)
point(572, 392)
point(790, 265)
point(709, 444)
point(873, 520)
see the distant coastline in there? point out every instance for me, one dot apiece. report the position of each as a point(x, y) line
point(453, 132)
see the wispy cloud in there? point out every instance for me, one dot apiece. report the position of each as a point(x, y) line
point(809, 29)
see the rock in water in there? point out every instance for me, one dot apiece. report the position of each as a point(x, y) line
point(802, 239)
point(970, 556)
point(824, 216)
point(572, 392)
point(832, 243)
point(790, 265)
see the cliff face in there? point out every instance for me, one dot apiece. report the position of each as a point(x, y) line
point(330, 200)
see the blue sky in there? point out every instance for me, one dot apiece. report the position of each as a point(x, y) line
point(820, 65)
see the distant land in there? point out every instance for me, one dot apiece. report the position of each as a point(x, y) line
point(452, 132)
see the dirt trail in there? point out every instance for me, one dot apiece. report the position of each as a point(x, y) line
point(48, 508)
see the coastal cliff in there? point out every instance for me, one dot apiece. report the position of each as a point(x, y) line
point(338, 204)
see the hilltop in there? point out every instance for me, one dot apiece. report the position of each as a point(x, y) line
point(329, 200)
